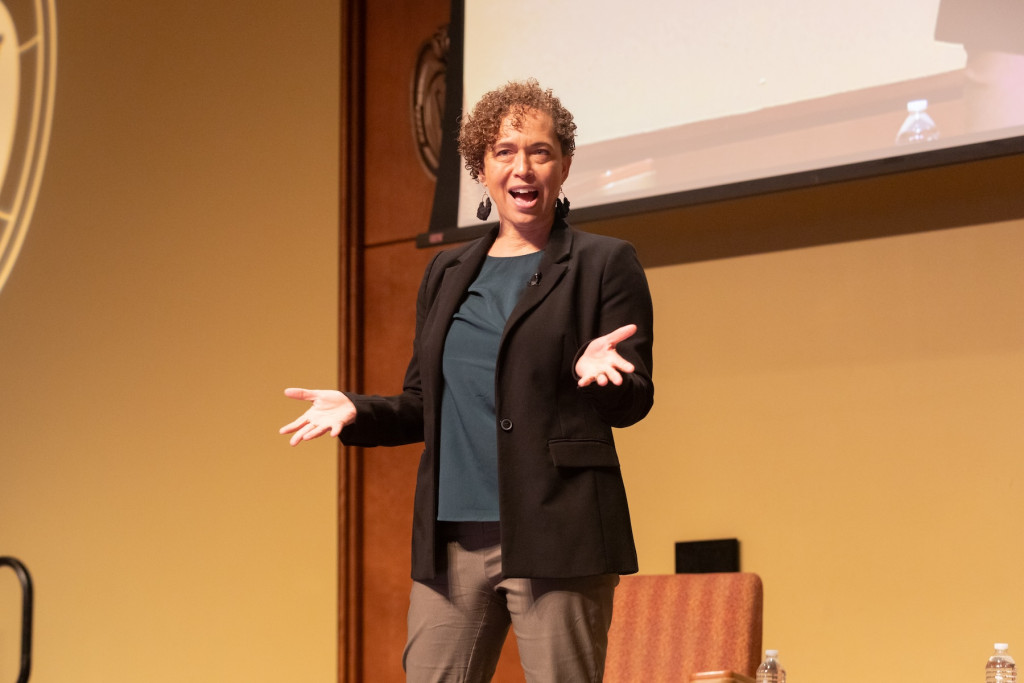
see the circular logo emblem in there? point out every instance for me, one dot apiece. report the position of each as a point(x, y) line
point(28, 68)
point(428, 99)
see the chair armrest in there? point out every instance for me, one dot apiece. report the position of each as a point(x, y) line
point(719, 677)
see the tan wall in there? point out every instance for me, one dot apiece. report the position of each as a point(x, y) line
point(181, 270)
point(853, 414)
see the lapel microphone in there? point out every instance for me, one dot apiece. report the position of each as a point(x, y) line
point(534, 280)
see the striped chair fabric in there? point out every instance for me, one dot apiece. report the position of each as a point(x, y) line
point(666, 628)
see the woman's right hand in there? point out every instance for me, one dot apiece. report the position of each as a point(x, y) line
point(330, 411)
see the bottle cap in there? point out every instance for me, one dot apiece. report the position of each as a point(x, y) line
point(1001, 646)
point(917, 105)
point(771, 653)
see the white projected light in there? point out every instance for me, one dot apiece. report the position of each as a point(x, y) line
point(673, 96)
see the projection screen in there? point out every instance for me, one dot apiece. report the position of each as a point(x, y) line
point(673, 98)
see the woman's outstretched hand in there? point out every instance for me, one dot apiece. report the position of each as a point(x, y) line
point(330, 411)
point(601, 363)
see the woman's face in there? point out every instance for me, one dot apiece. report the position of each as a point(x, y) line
point(524, 170)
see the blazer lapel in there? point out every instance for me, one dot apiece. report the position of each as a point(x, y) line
point(553, 266)
point(455, 280)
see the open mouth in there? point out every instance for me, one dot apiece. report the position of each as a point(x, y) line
point(524, 196)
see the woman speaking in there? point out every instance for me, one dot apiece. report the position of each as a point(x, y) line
point(531, 344)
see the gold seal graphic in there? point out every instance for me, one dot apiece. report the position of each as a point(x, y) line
point(28, 68)
point(428, 91)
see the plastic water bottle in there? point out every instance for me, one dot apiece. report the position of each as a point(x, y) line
point(770, 670)
point(918, 126)
point(1000, 668)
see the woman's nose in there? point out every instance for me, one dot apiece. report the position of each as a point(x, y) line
point(522, 166)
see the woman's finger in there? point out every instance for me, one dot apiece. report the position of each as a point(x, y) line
point(621, 334)
point(300, 394)
point(294, 425)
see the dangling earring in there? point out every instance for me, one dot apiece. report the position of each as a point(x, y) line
point(561, 205)
point(484, 209)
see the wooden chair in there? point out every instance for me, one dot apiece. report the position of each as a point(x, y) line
point(667, 628)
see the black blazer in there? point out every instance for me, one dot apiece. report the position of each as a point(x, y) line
point(561, 497)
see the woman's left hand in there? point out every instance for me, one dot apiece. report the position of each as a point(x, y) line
point(601, 363)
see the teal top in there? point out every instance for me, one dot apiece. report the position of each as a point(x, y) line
point(468, 478)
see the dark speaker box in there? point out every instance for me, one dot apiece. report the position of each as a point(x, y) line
point(705, 557)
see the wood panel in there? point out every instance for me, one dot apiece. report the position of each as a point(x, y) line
point(390, 206)
point(398, 191)
point(387, 198)
point(393, 274)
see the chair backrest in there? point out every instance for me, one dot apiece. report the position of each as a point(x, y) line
point(667, 627)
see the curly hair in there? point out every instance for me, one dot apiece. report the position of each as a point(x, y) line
point(480, 128)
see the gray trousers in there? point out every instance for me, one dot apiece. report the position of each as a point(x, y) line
point(458, 622)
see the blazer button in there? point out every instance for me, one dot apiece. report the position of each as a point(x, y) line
point(506, 425)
